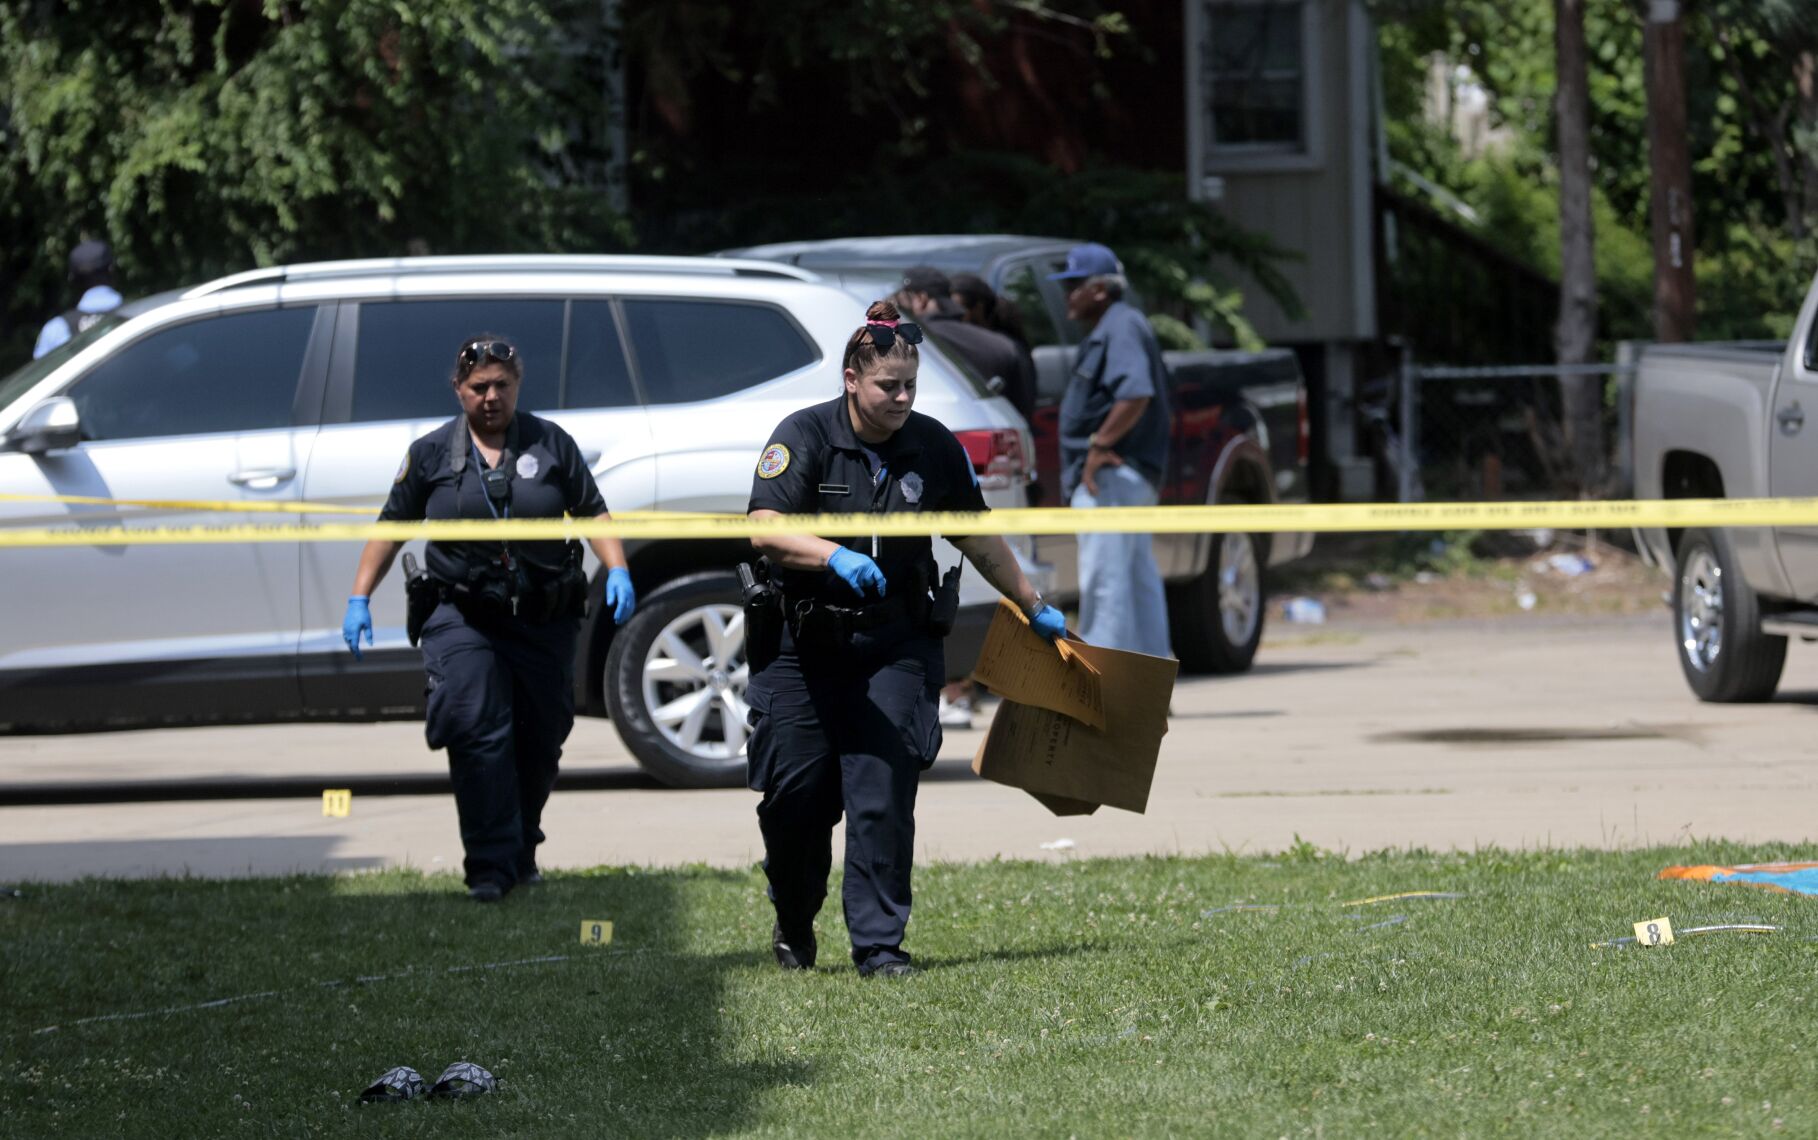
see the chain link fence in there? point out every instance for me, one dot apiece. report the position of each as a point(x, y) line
point(1529, 431)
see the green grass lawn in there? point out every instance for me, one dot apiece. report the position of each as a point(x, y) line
point(1095, 998)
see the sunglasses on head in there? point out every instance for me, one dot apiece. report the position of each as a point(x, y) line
point(884, 334)
point(473, 354)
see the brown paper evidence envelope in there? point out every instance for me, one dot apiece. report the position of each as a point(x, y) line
point(1075, 730)
point(1020, 665)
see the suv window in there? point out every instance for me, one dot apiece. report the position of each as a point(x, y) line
point(236, 372)
point(23, 378)
point(697, 350)
point(407, 351)
point(598, 376)
point(1022, 287)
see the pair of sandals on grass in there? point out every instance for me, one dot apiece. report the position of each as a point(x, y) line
point(461, 1079)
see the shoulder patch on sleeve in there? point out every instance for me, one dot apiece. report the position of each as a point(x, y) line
point(403, 469)
point(773, 462)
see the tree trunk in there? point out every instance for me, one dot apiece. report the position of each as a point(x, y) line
point(1675, 294)
point(1805, 82)
point(1575, 336)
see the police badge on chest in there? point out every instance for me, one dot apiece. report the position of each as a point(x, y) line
point(912, 487)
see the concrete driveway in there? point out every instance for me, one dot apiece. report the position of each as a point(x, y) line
point(1520, 733)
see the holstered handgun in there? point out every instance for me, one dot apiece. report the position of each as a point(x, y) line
point(763, 614)
point(944, 609)
point(421, 596)
point(568, 593)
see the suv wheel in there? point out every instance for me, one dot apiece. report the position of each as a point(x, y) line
point(1717, 624)
point(1217, 618)
point(675, 683)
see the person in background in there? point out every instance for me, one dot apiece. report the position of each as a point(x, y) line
point(983, 305)
point(927, 295)
point(91, 277)
point(1114, 425)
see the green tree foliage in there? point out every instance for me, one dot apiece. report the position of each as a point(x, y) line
point(204, 136)
point(207, 136)
point(1754, 255)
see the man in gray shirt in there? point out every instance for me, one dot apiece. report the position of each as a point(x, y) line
point(1114, 426)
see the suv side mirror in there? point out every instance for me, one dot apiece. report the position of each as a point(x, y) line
point(54, 425)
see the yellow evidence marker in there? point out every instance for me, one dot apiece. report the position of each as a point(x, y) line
point(1654, 932)
point(595, 932)
point(337, 802)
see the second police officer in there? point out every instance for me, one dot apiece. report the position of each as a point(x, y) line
point(497, 619)
point(844, 711)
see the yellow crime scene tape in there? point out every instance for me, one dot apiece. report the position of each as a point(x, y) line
point(255, 506)
point(265, 506)
point(1244, 518)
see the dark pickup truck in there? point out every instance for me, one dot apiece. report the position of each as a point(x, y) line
point(1240, 429)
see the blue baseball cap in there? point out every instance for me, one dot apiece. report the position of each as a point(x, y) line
point(1089, 260)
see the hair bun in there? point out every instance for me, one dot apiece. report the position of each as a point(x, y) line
point(882, 311)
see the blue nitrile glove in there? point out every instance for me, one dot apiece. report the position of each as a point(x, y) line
point(357, 621)
point(1049, 622)
point(857, 570)
point(619, 594)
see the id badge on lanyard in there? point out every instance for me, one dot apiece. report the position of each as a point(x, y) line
point(880, 480)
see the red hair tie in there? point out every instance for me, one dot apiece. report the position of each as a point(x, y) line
point(881, 324)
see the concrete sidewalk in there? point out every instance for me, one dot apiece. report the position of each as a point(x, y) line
point(1522, 733)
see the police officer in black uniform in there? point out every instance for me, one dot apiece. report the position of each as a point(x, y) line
point(844, 713)
point(497, 619)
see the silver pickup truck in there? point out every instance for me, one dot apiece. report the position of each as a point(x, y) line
point(1728, 421)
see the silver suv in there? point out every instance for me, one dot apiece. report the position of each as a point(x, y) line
point(307, 382)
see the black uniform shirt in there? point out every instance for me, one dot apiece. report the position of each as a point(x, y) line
point(548, 480)
point(989, 352)
point(816, 464)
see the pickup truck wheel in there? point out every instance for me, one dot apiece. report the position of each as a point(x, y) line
point(1216, 619)
point(1717, 625)
point(675, 683)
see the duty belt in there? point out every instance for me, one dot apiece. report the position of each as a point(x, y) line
point(817, 621)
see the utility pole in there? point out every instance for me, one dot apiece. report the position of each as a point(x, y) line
point(1575, 336)
point(1675, 293)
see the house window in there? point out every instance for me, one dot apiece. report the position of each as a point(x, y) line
point(1255, 68)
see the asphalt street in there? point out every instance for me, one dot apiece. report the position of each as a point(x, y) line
point(1519, 733)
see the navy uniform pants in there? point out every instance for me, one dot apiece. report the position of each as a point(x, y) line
point(501, 700)
point(849, 731)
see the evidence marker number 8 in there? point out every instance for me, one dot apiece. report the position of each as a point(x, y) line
point(595, 932)
point(1655, 932)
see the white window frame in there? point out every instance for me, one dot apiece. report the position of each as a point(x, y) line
point(1206, 161)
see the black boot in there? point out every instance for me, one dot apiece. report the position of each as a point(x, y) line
point(793, 952)
point(889, 962)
